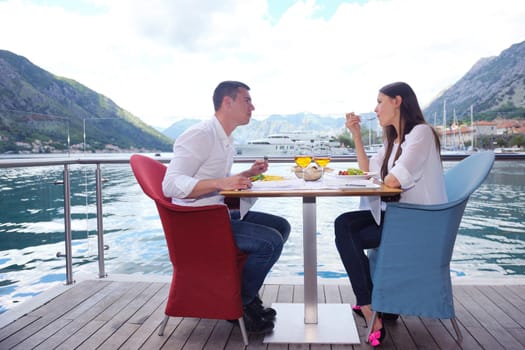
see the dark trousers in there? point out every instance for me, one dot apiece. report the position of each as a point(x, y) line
point(354, 232)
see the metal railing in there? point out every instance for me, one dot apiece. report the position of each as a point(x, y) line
point(66, 162)
point(68, 238)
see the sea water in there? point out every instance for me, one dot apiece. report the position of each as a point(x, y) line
point(490, 244)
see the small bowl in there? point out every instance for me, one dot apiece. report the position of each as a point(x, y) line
point(311, 173)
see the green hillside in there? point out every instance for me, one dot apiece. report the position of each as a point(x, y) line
point(41, 112)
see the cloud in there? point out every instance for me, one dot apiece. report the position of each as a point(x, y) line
point(162, 59)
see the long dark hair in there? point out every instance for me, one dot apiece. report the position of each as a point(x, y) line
point(410, 116)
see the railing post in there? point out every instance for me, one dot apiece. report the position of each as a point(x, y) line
point(67, 226)
point(100, 226)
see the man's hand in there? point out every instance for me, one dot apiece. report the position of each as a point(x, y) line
point(236, 182)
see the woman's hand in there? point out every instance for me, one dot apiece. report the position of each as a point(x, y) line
point(353, 123)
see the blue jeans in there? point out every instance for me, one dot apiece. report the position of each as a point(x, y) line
point(354, 232)
point(261, 236)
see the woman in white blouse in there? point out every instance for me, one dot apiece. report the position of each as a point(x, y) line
point(410, 160)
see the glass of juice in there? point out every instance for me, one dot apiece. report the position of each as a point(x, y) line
point(322, 155)
point(303, 154)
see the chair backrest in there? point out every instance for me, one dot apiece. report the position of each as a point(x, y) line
point(411, 267)
point(207, 265)
point(149, 174)
point(466, 176)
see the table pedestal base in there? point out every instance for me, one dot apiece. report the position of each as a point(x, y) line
point(335, 325)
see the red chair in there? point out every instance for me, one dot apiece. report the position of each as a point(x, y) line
point(207, 265)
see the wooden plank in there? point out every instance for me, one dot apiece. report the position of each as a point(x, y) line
point(419, 333)
point(16, 326)
point(275, 296)
point(119, 337)
point(159, 298)
point(157, 342)
point(131, 291)
point(84, 313)
point(285, 294)
point(298, 294)
point(99, 300)
point(70, 298)
point(497, 296)
point(519, 334)
point(490, 317)
point(399, 334)
point(348, 297)
point(81, 336)
point(236, 342)
point(122, 310)
point(499, 333)
point(332, 294)
point(519, 291)
point(468, 342)
point(496, 313)
point(269, 294)
point(181, 334)
point(148, 328)
point(200, 334)
point(440, 334)
point(462, 313)
point(219, 336)
point(26, 332)
point(51, 311)
point(40, 336)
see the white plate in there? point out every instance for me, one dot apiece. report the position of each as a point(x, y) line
point(365, 175)
point(285, 183)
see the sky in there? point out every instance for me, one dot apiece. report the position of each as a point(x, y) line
point(162, 59)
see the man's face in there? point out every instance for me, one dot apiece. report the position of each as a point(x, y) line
point(241, 108)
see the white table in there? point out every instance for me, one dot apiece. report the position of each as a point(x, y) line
point(311, 322)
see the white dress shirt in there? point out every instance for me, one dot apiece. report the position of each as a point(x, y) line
point(204, 151)
point(418, 169)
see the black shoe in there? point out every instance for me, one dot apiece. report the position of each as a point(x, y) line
point(255, 323)
point(389, 317)
point(384, 315)
point(266, 312)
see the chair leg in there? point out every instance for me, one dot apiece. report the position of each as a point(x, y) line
point(163, 325)
point(371, 325)
point(243, 331)
point(456, 329)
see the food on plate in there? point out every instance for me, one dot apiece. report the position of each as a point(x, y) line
point(351, 171)
point(263, 177)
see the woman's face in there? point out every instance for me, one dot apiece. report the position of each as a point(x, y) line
point(387, 110)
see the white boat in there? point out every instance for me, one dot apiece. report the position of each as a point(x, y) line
point(284, 144)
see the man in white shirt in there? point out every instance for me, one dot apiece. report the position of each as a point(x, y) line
point(201, 168)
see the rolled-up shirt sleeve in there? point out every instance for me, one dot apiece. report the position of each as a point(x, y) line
point(408, 169)
point(180, 180)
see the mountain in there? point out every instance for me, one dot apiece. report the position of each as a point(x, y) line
point(494, 86)
point(41, 112)
point(178, 128)
point(281, 123)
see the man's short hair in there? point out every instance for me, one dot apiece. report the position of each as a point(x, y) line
point(226, 88)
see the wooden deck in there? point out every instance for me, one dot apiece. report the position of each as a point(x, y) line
point(115, 314)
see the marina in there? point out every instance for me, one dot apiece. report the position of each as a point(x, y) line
point(282, 144)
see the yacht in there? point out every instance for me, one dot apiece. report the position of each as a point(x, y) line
point(284, 144)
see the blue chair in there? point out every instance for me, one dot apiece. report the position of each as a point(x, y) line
point(411, 267)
